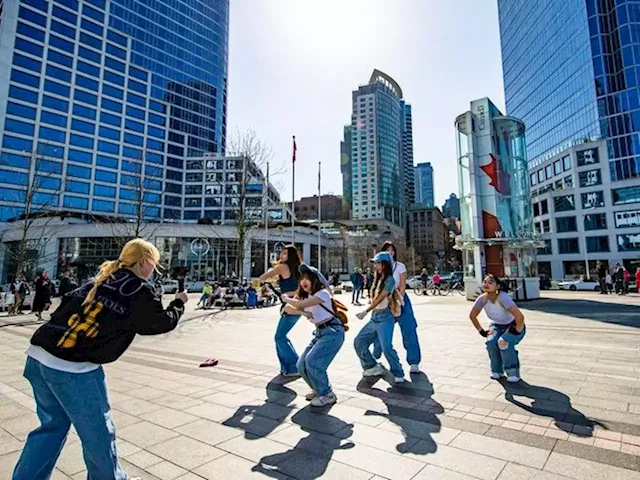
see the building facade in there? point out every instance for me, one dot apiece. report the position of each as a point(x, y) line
point(427, 234)
point(571, 74)
point(582, 215)
point(378, 187)
point(346, 170)
point(451, 207)
point(331, 208)
point(407, 155)
point(424, 184)
point(102, 99)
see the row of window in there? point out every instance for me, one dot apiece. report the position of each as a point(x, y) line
point(625, 243)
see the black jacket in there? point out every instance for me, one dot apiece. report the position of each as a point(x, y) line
point(100, 332)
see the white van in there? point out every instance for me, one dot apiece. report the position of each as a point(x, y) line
point(170, 286)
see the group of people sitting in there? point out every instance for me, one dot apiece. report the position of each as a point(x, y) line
point(246, 295)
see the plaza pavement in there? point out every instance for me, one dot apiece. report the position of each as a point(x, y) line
point(576, 417)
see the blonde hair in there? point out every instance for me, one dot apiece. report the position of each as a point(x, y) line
point(134, 251)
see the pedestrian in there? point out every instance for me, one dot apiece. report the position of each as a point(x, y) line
point(638, 279)
point(356, 281)
point(382, 322)
point(14, 291)
point(42, 298)
point(67, 283)
point(94, 325)
point(24, 291)
point(406, 320)
point(602, 277)
point(618, 279)
point(369, 282)
point(287, 271)
point(314, 301)
point(436, 279)
point(507, 329)
point(424, 278)
point(626, 278)
point(207, 290)
point(609, 280)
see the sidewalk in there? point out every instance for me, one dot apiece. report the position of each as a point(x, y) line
point(576, 417)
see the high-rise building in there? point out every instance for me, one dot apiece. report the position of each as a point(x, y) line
point(407, 155)
point(377, 131)
point(451, 207)
point(346, 169)
point(424, 184)
point(571, 75)
point(102, 100)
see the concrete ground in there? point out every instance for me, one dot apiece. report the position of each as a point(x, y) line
point(576, 415)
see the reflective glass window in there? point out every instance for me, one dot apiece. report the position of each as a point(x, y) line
point(63, 29)
point(108, 162)
point(76, 202)
point(568, 245)
point(113, 78)
point(52, 134)
point(153, 171)
point(154, 158)
point(155, 132)
point(621, 196)
point(131, 153)
point(133, 167)
point(111, 105)
point(72, 4)
point(82, 126)
point(566, 163)
point(60, 58)
point(16, 126)
point(158, 107)
point(595, 221)
point(137, 86)
point(50, 183)
point(135, 112)
point(55, 103)
point(11, 195)
point(29, 47)
point(30, 32)
point(85, 112)
point(53, 119)
point(103, 206)
point(133, 139)
point(105, 176)
point(91, 27)
point(598, 244)
point(85, 97)
point(48, 166)
point(91, 41)
point(115, 64)
point(126, 193)
point(52, 151)
point(49, 199)
point(78, 172)
point(59, 73)
point(566, 224)
point(21, 110)
point(157, 119)
point(109, 133)
point(590, 178)
point(32, 16)
point(126, 208)
point(62, 44)
point(57, 88)
point(13, 160)
point(75, 186)
point(26, 62)
point(153, 184)
point(133, 125)
point(89, 54)
point(25, 78)
point(14, 178)
point(39, 4)
point(89, 69)
point(97, 3)
point(81, 141)
point(154, 144)
point(112, 91)
point(87, 83)
point(136, 99)
point(110, 119)
point(108, 147)
point(117, 52)
point(117, 38)
point(137, 73)
point(92, 13)
point(80, 156)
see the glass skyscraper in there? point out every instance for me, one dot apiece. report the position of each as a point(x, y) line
point(424, 184)
point(102, 101)
point(571, 73)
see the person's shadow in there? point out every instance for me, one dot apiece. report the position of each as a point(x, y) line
point(310, 457)
point(417, 424)
point(258, 421)
point(547, 402)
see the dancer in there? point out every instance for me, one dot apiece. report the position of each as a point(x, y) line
point(314, 301)
point(286, 269)
point(506, 331)
point(94, 325)
point(42, 298)
point(382, 322)
point(406, 320)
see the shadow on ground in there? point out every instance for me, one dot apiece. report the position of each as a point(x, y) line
point(605, 312)
point(547, 402)
point(310, 458)
point(418, 422)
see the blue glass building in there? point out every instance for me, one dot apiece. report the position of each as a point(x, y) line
point(102, 101)
point(424, 184)
point(571, 73)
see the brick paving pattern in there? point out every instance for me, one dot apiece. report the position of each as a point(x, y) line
point(575, 416)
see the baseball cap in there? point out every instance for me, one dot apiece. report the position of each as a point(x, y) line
point(382, 257)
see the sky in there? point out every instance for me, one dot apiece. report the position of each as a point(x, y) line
point(293, 65)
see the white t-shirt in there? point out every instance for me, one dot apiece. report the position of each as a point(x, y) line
point(497, 312)
point(398, 269)
point(320, 315)
point(55, 363)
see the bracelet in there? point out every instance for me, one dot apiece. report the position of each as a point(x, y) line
point(483, 333)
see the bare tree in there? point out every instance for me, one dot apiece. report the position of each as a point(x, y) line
point(33, 207)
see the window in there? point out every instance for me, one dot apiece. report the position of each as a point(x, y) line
point(592, 200)
point(85, 97)
point(81, 141)
point(133, 125)
point(114, 78)
point(595, 221)
point(628, 218)
point(28, 47)
point(13, 160)
point(172, 201)
point(72, 4)
point(103, 206)
point(60, 58)
point(25, 78)
point(155, 144)
point(48, 166)
point(17, 126)
point(23, 94)
point(87, 83)
point(53, 135)
point(117, 52)
point(546, 226)
point(112, 91)
point(76, 187)
point(598, 244)
point(132, 153)
point(108, 147)
point(142, 75)
point(105, 176)
point(82, 126)
point(76, 202)
point(157, 119)
point(566, 163)
point(564, 203)
point(92, 13)
point(53, 119)
point(104, 191)
point(105, 161)
point(137, 86)
point(626, 195)
point(541, 176)
point(152, 185)
point(91, 41)
point(14, 178)
point(192, 202)
point(590, 178)
point(57, 88)
point(557, 167)
point(544, 207)
point(89, 69)
point(80, 156)
point(26, 62)
point(78, 172)
point(89, 54)
point(115, 65)
point(135, 112)
point(111, 105)
point(133, 139)
point(65, 45)
point(549, 171)
point(32, 16)
point(109, 133)
point(63, 29)
point(91, 27)
point(117, 38)
point(568, 245)
point(134, 167)
point(566, 224)
point(110, 119)
point(628, 243)
point(536, 209)
point(136, 99)
point(159, 133)
point(153, 171)
point(50, 183)
point(85, 112)
point(587, 157)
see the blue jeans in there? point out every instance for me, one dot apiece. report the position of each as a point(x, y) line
point(284, 348)
point(504, 360)
point(316, 358)
point(409, 330)
point(356, 294)
point(380, 328)
point(63, 399)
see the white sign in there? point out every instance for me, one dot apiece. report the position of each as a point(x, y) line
point(200, 246)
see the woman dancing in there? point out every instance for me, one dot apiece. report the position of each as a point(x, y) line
point(313, 300)
point(287, 271)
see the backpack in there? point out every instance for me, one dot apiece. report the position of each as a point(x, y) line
point(339, 312)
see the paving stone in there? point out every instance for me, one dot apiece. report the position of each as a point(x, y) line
point(632, 439)
point(168, 417)
point(145, 434)
point(520, 472)
point(608, 444)
point(505, 450)
point(608, 435)
point(136, 406)
point(600, 455)
point(233, 467)
point(212, 411)
point(252, 448)
point(431, 472)
point(143, 459)
point(581, 469)
point(522, 437)
point(208, 432)
point(166, 470)
point(186, 452)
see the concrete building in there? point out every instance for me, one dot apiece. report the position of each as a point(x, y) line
point(582, 215)
point(451, 207)
point(378, 126)
point(424, 184)
point(307, 208)
point(427, 234)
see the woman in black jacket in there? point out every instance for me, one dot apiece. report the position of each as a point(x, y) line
point(42, 298)
point(94, 324)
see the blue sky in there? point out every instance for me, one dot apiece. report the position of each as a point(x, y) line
point(294, 63)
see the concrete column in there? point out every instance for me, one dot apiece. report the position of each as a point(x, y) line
point(246, 268)
point(49, 260)
point(306, 253)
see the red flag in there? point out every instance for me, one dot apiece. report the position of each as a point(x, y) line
point(294, 149)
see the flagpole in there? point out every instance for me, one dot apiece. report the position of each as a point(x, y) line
point(266, 221)
point(319, 219)
point(293, 194)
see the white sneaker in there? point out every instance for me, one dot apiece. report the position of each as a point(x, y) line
point(324, 400)
point(495, 376)
point(311, 395)
point(399, 380)
point(415, 368)
point(376, 371)
point(513, 379)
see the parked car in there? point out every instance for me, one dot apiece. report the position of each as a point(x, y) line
point(580, 284)
point(414, 282)
point(170, 286)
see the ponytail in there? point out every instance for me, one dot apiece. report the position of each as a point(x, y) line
point(107, 271)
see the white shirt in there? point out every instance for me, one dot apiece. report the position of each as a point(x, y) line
point(320, 315)
point(398, 269)
point(497, 312)
point(55, 363)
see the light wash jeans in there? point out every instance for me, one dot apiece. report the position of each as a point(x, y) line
point(317, 357)
point(63, 399)
point(380, 328)
point(284, 348)
point(409, 330)
point(504, 360)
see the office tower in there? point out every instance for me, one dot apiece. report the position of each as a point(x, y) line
point(407, 155)
point(451, 208)
point(347, 175)
point(102, 101)
point(378, 183)
point(424, 184)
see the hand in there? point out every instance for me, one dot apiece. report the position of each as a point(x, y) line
point(287, 299)
point(361, 314)
point(182, 296)
point(513, 329)
point(483, 333)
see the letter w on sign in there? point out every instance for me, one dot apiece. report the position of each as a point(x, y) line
point(85, 323)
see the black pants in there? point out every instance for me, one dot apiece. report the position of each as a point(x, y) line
point(603, 286)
